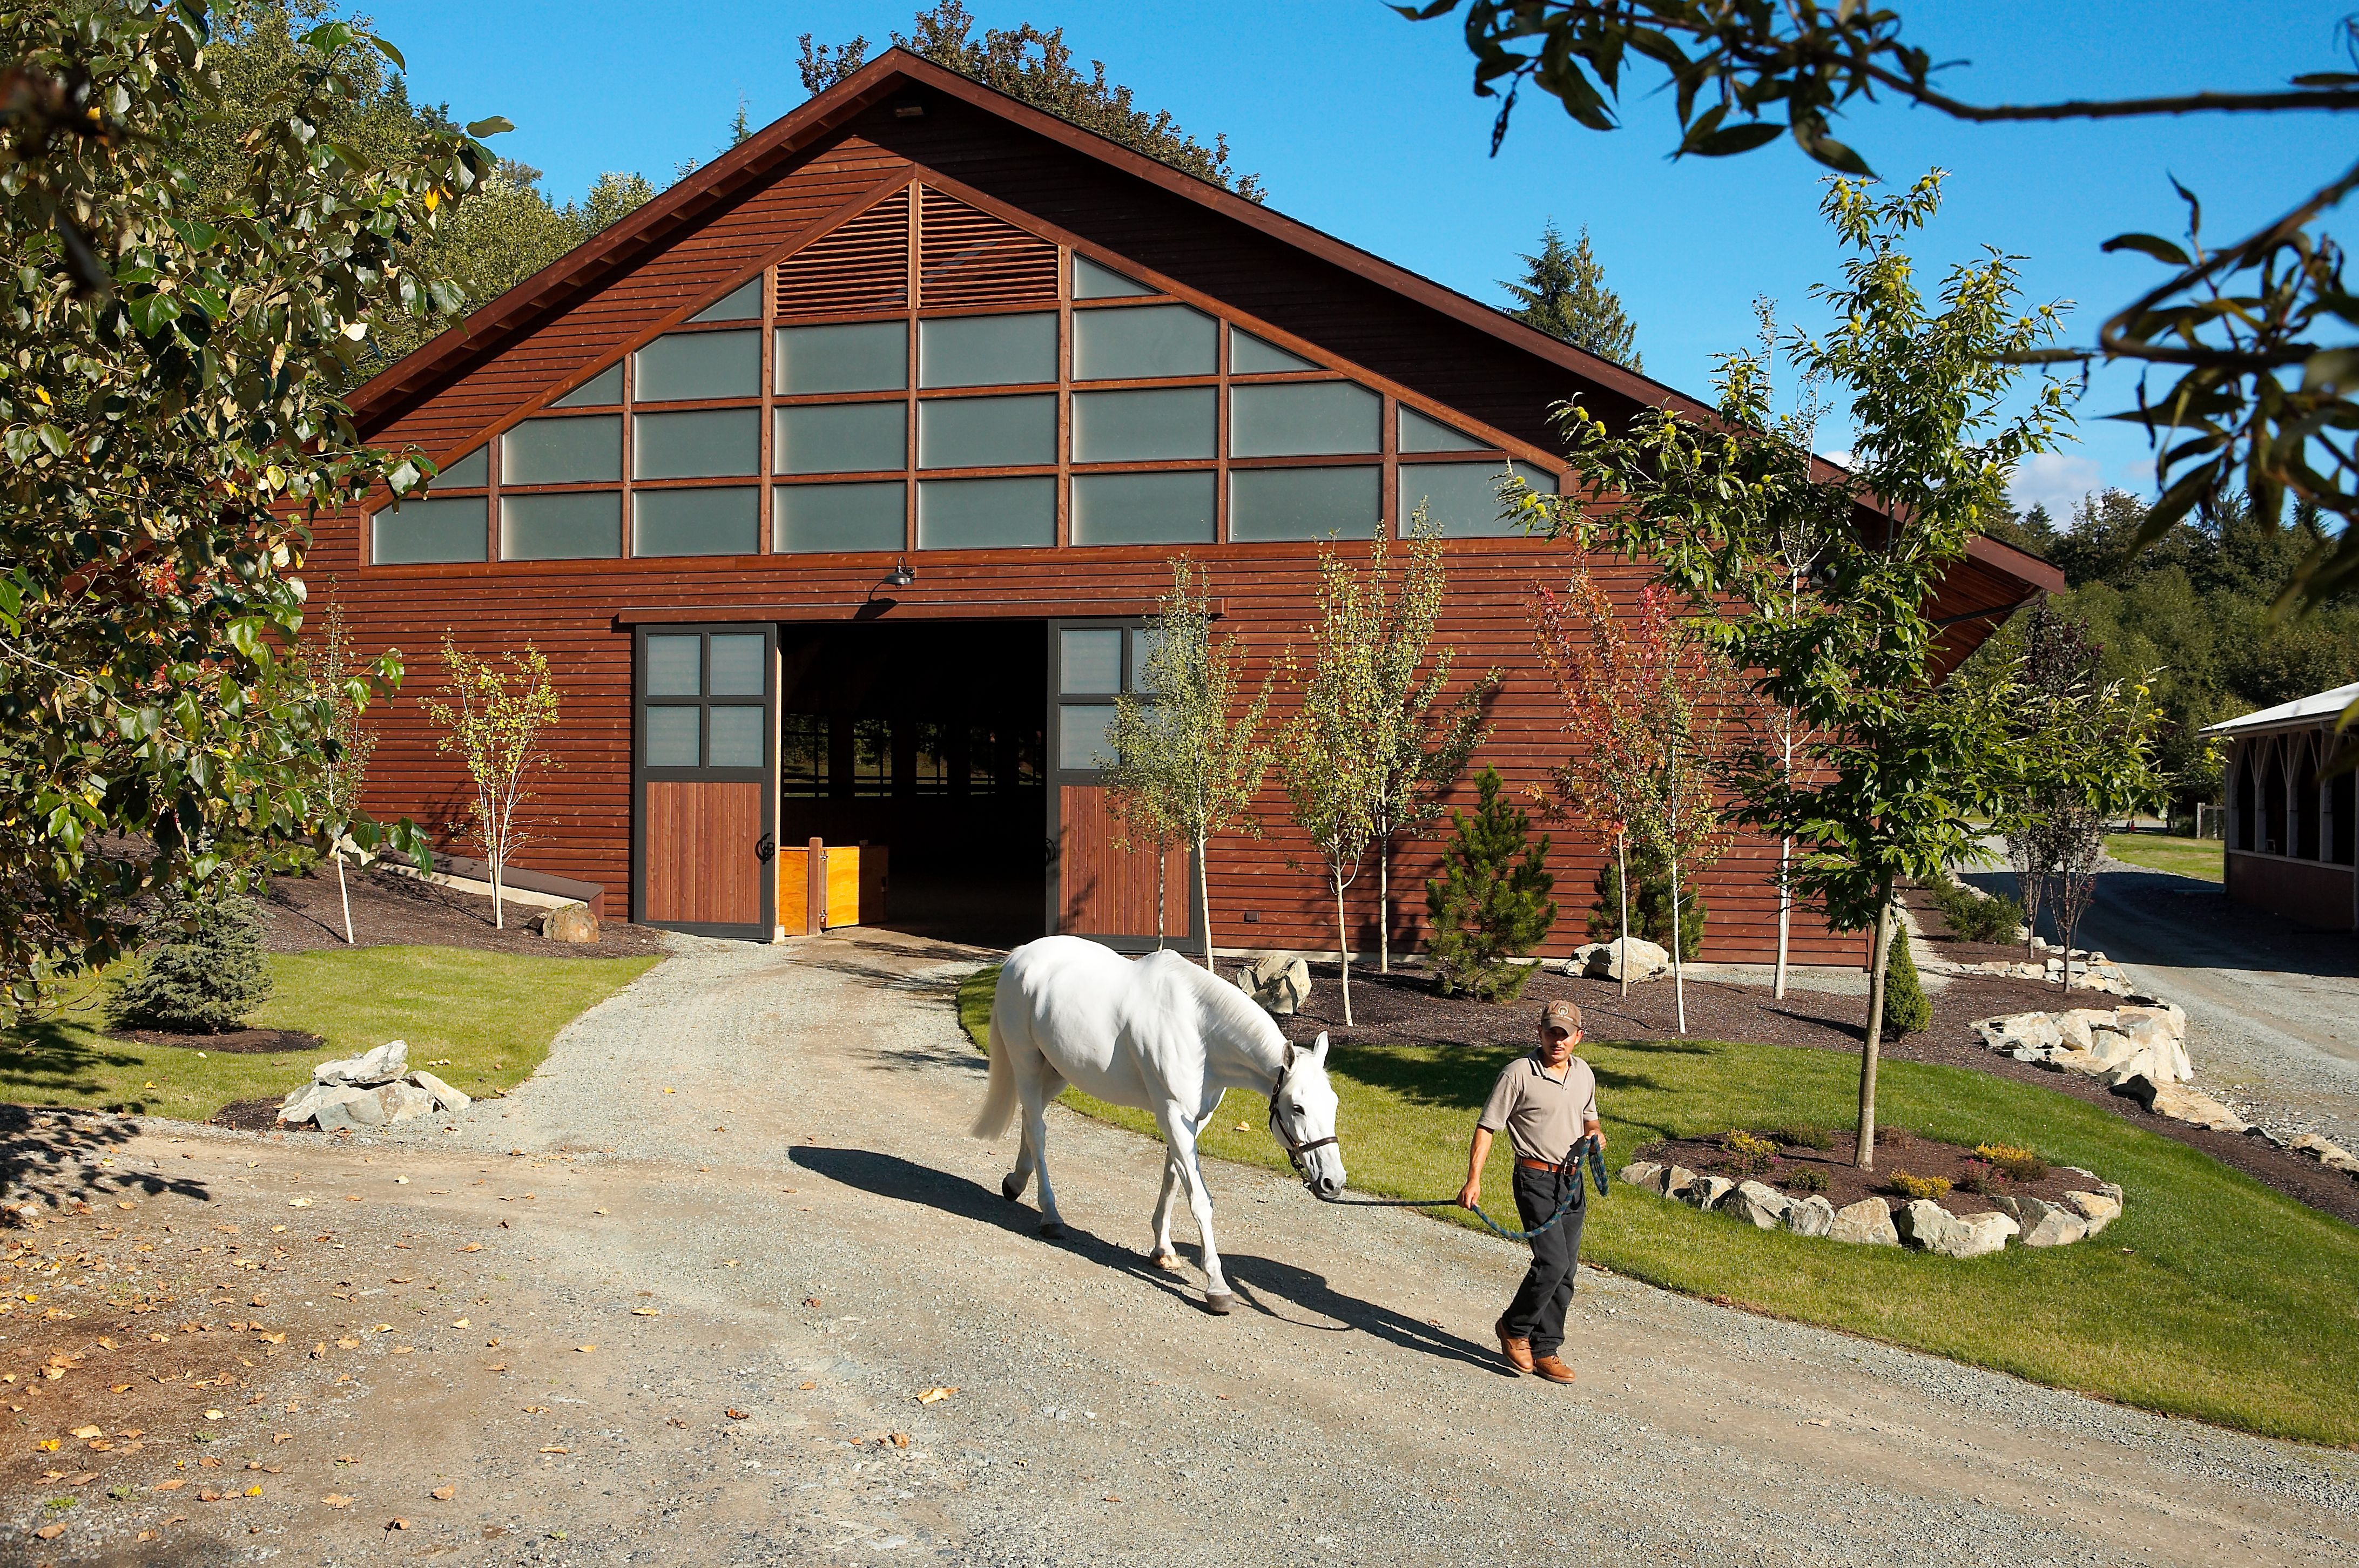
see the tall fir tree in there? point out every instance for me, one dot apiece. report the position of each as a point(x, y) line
point(1563, 294)
point(1490, 906)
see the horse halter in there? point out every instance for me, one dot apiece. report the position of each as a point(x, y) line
point(1294, 1151)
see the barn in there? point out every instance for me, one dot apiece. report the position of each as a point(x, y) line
point(2292, 820)
point(837, 484)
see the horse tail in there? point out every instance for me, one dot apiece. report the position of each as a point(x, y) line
point(999, 1099)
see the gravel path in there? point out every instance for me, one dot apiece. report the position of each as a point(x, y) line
point(841, 1247)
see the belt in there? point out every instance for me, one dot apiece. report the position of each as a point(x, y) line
point(1550, 1166)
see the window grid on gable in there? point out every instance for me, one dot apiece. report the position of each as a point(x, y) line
point(817, 449)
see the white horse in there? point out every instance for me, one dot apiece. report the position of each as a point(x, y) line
point(1163, 1035)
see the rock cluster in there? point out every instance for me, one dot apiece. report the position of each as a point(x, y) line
point(1279, 981)
point(1605, 960)
point(570, 922)
point(2326, 1152)
point(2139, 1049)
point(373, 1089)
point(1922, 1224)
point(2091, 971)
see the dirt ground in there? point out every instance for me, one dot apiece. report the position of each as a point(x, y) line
point(303, 914)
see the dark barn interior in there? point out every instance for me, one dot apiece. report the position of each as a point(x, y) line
point(926, 738)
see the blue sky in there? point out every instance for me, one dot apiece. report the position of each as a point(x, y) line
point(1364, 125)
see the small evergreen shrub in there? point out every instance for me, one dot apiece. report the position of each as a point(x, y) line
point(1650, 904)
point(1490, 905)
point(1975, 915)
point(1907, 1010)
point(200, 971)
point(1905, 1185)
point(2015, 1164)
point(1807, 1181)
point(1747, 1156)
point(1817, 1138)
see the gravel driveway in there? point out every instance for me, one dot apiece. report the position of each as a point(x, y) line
point(841, 1247)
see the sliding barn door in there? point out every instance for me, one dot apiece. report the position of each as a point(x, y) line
point(1102, 889)
point(704, 736)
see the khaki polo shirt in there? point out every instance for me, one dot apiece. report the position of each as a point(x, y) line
point(1543, 1114)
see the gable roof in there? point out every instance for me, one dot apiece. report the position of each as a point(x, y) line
point(772, 152)
point(2321, 709)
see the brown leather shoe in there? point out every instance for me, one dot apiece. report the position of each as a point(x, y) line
point(1553, 1369)
point(1517, 1353)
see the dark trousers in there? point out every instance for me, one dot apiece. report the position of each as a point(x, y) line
point(1538, 1311)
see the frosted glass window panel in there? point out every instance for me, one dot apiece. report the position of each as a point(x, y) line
point(1146, 426)
point(1419, 434)
point(682, 365)
point(675, 663)
point(1249, 355)
point(1462, 500)
point(988, 350)
point(737, 665)
point(723, 522)
point(1089, 661)
point(580, 451)
point(712, 443)
point(859, 356)
point(1144, 508)
point(601, 390)
point(742, 303)
point(986, 513)
point(987, 432)
point(841, 437)
point(429, 531)
point(813, 519)
point(675, 737)
point(1091, 281)
point(584, 525)
point(1137, 342)
point(470, 472)
point(1302, 418)
point(1085, 736)
point(1304, 504)
point(732, 736)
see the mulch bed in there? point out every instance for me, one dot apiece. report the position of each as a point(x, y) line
point(232, 1041)
point(1402, 1007)
point(256, 1116)
point(303, 914)
point(1897, 1152)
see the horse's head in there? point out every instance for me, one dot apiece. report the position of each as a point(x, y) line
point(1302, 1118)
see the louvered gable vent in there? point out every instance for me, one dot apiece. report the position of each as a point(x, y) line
point(968, 258)
point(863, 265)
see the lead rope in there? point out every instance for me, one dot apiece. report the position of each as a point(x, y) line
point(1570, 1165)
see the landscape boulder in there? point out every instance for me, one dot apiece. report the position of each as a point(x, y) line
point(379, 1107)
point(1605, 960)
point(2019, 1031)
point(570, 922)
point(1640, 1174)
point(1675, 1180)
point(381, 1065)
point(1279, 981)
point(2044, 1224)
point(1763, 1205)
point(1867, 1222)
point(1926, 1226)
point(445, 1097)
point(1814, 1216)
point(2156, 1092)
point(375, 1089)
point(2095, 1209)
point(2327, 1153)
point(1705, 1192)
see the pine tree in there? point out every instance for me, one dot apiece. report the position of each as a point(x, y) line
point(201, 970)
point(1650, 904)
point(1564, 295)
point(1906, 1008)
point(1490, 905)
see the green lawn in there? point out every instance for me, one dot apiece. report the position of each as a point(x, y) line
point(2197, 858)
point(2211, 1296)
point(492, 1015)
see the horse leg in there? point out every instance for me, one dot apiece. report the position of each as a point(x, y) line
point(1012, 1187)
point(1164, 1256)
point(1217, 1297)
point(1036, 1147)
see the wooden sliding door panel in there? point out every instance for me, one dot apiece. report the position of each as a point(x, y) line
point(702, 864)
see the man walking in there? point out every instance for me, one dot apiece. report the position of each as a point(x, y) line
point(1546, 1102)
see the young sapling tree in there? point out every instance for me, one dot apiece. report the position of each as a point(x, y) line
point(496, 716)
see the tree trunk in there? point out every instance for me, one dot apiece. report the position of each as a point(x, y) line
point(1678, 972)
point(1162, 852)
point(1343, 945)
point(1865, 1157)
point(1204, 898)
point(343, 895)
point(1785, 912)
point(1622, 948)
point(1385, 903)
point(499, 914)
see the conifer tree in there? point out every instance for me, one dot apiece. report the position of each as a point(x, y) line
point(1563, 294)
point(1490, 905)
point(201, 970)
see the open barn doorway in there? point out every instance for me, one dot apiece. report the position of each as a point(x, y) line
point(927, 740)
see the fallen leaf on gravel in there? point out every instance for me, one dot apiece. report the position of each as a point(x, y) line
point(84, 1479)
point(254, 1491)
point(397, 1524)
point(214, 1415)
point(126, 1202)
point(472, 1247)
point(502, 1367)
point(274, 1339)
point(1815, 1420)
point(90, 1431)
point(382, 1328)
point(319, 1351)
point(646, 1312)
point(50, 1532)
point(931, 1395)
point(299, 1203)
point(557, 1451)
point(277, 1437)
point(337, 1500)
point(48, 1444)
point(1112, 1499)
point(729, 1262)
point(209, 1497)
point(671, 1091)
point(735, 1414)
point(806, 1385)
point(900, 1440)
point(585, 1349)
point(443, 1494)
point(597, 1211)
point(348, 1343)
point(404, 1350)
point(810, 1301)
point(536, 1409)
point(118, 1388)
point(461, 1323)
point(174, 1485)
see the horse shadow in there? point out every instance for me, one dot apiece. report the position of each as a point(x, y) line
point(1264, 1284)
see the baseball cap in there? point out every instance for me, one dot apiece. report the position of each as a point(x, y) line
point(1560, 1015)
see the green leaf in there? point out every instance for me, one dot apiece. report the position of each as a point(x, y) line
point(2160, 249)
point(1735, 139)
point(496, 126)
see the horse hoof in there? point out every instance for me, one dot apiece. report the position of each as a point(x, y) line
point(1052, 1230)
point(1166, 1261)
point(1010, 1189)
point(1220, 1303)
